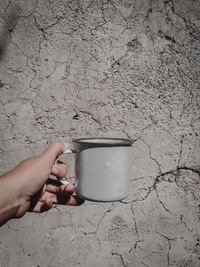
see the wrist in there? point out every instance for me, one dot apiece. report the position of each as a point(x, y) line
point(9, 201)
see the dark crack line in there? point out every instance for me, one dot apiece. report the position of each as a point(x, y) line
point(161, 202)
point(172, 2)
point(169, 246)
point(55, 206)
point(98, 225)
point(157, 163)
point(149, 190)
point(193, 169)
point(90, 115)
point(17, 15)
point(18, 47)
point(145, 128)
point(121, 257)
point(40, 29)
point(178, 169)
point(100, 221)
point(37, 1)
point(120, 13)
point(54, 69)
point(181, 150)
point(159, 179)
point(99, 26)
point(6, 9)
point(136, 228)
point(184, 223)
point(30, 82)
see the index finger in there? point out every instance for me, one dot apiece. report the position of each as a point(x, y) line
point(53, 151)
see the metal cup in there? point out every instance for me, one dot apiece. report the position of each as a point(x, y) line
point(102, 168)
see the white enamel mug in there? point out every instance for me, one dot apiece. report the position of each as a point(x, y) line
point(102, 168)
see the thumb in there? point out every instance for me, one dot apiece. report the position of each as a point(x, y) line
point(53, 151)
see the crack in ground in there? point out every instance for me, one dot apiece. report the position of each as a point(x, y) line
point(121, 258)
point(14, 16)
point(120, 13)
point(149, 189)
point(172, 9)
point(30, 256)
point(150, 153)
point(100, 221)
point(55, 206)
point(184, 223)
point(136, 229)
point(163, 205)
point(169, 246)
point(98, 225)
point(18, 47)
point(181, 150)
point(159, 179)
point(90, 115)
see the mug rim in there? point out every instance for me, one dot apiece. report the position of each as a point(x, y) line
point(104, 141)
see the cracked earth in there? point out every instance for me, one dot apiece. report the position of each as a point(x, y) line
point(105, 68)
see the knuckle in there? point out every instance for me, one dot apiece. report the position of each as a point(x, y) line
point(55, 144)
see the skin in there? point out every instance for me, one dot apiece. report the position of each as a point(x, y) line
point(28, 187)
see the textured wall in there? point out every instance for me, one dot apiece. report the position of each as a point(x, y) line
point(108, 68)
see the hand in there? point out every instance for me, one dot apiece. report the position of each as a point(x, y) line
point(32, 189)
point(53, 192)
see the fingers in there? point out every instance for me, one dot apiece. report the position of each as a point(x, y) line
point(59, 170)
point(42, 206)
point(48, 204)
point(63, 194)
point(54, 193)
point(54, 186)
point(54, 150)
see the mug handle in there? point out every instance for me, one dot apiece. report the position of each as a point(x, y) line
point(64, 181)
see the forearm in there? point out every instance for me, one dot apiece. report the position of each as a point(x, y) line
point(9, 198)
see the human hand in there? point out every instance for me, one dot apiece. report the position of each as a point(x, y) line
point(30, 184)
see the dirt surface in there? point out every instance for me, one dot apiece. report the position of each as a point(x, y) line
point(105, 68)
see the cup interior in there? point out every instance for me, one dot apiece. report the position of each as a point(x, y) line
point(104, 141)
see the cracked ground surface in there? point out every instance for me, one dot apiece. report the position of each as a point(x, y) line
point(106, 68)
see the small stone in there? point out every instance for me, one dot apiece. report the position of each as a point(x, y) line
point(171, 178)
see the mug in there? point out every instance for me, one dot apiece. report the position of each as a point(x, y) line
point(102, 168)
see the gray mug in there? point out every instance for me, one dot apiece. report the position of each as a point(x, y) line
point(102, 168)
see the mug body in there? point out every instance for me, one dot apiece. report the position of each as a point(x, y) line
point(102, 169)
